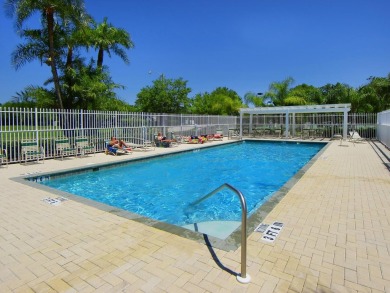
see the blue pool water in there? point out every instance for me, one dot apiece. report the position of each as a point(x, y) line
point(164, 188)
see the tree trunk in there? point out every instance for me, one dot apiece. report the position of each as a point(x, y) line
point(100, 58)
point(50, 27)
point(69, 80)
point(69, 57)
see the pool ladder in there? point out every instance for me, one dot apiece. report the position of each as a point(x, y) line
point(243, 277)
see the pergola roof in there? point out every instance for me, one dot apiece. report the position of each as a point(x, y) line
point(298, 109)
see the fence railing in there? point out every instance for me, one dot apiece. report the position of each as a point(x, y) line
point(47, 125)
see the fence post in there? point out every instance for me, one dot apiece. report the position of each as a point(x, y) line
point(116, 123)
point(181, 123)
point(36, 126)
point(82, 122)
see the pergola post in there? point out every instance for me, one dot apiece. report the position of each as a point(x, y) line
point(241, 124)
point(293, 126)
point(287, 123)
point(250, 122)
point(345, 124)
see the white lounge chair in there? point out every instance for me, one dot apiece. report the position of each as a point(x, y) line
point(355, 137)
point(233, 133)
point(144, 145)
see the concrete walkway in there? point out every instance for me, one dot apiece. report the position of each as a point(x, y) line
point(336, 237)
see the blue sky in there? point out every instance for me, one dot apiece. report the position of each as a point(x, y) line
point(243, 45)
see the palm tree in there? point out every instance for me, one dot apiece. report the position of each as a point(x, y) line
point(278, 91)
point(106, 38)
point(35, 47)
point(50, 11)
point(255, 99)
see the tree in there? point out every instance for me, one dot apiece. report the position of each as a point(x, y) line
point(33, 48)
point(377, 92)
point(32, 96)
point(50, 11)
point(106, 38)
point(164, 96)
point(222, 101)
point(294, 101)
point(307, 94)
point(254, 99)
point(92, 88)
point(278, 91)
point(73, 38)
point(201, 103)
point(336, 93)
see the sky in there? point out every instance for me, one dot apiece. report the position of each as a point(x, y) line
point(243, 45)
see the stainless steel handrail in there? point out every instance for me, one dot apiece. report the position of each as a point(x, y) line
point(243, 277)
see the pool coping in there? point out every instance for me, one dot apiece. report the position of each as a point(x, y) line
point(232, 242)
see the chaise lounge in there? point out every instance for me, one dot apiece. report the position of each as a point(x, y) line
point(354, 136)
point(84, 147)
point(30, 150)
point(63, 148)
point(3, 157)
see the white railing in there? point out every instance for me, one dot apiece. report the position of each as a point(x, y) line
point(46, 125)
point(384, 128)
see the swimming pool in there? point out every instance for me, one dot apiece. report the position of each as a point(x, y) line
point(164, 188)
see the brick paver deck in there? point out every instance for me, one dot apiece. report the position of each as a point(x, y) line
point(336, 238)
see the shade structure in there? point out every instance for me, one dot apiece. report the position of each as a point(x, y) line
point(287, 110)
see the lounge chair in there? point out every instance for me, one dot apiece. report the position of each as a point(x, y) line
point(258, 131)
point(145, 145)
point(194, 139)
point(178, 138)
point(63, 148)
point(355, 137)
point(319, 132)
point(148, 145)
point(210, 137)
point(277, 130)
point(162, 143)
point(111, 150)
point(234, 133)
point(84, 147)
point(206, 138)
point(218, 135)
point(305, 133)
point(3, 157)
point(30, 150)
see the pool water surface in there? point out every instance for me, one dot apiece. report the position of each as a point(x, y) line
point(164, 188)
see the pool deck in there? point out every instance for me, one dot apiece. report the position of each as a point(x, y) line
point(336, 237)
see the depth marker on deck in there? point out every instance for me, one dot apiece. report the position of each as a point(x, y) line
point(54, 201)
point(272, 231)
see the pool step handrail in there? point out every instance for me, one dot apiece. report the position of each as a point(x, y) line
point(243, 277)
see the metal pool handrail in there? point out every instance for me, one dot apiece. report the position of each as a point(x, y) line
point(243, 277)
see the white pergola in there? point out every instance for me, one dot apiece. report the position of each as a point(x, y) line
point(287, 110)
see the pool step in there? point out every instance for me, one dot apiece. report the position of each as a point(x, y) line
point(219, 229)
